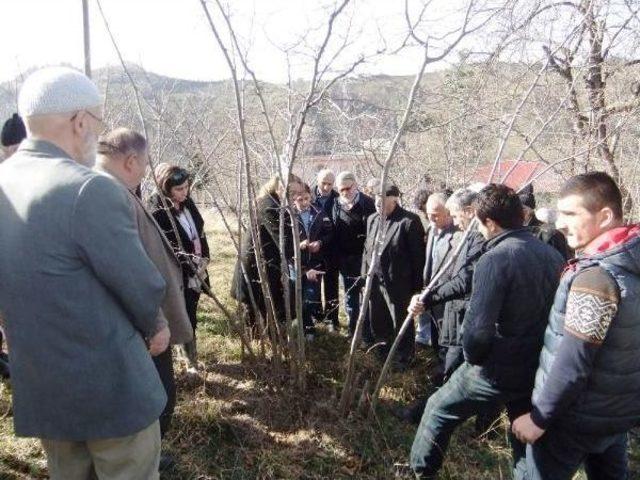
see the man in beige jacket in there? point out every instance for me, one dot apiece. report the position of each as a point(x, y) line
point(122, 153)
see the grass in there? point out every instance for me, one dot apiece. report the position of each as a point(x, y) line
point(237, 422)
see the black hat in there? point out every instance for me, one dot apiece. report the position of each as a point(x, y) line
point(13, 131)
point(527, 198)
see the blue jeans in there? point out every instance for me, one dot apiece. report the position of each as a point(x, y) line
point(558, 454)
point(464, 395)
point(423, 333)
point(311, 306)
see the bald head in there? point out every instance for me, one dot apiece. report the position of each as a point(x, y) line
point(123, 153)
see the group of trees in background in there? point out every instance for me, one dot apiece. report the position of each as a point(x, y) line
point(556, 82)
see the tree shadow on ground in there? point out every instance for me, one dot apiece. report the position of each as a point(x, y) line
point(236, 414)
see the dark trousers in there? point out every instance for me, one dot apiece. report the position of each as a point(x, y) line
point(311, 304)
point(191, 298)
point(348, 267)
point(466, 394)
point(558, 454)
point(387, 314)
point(164, 365)
point(330, 282)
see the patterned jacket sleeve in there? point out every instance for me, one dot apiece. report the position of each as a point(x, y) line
point(592, 305)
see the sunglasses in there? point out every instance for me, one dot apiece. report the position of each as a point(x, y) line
point(179, 177)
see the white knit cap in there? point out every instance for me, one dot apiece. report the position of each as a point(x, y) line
point(55, 90)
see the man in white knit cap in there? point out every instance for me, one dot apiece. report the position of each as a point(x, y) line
point(83, 297)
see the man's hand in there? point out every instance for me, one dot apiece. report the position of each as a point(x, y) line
point(416, 307)
point(202, 264)
point(304, 244)
point(159, 342)
point(525, 430)
point(314, 275)
point(314, 247)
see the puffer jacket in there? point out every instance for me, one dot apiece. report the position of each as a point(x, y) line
point(610, 402)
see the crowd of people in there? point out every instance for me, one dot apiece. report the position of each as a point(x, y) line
point(506, 302)
point(535, 316)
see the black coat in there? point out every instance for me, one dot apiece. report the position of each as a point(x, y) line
point(328, 206)
point(320, 229)
point(513, 288)
point(403, 253)
point(268, 219)
point(160, 214)
point(350, 227)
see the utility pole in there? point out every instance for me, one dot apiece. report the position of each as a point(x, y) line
point(87, 38)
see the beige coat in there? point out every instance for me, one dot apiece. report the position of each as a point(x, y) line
point(173, 311)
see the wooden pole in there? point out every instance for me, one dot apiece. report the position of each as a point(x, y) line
point(87, 38)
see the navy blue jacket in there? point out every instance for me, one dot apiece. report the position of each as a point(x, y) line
point(513, 287)
point(328, 204)
point(320, 229)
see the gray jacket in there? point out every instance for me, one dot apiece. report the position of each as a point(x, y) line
point(436, 256)
point(79, 294)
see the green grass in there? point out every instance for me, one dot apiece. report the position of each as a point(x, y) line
point(237, 422)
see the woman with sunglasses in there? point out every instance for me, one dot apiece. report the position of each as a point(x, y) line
point(192, 248)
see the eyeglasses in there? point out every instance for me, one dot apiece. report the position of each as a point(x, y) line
point(100, 121)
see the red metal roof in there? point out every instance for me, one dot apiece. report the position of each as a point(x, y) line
point(519, 173)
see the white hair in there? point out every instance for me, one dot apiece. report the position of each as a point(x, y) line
point(439, 198)
point(461, 198)
point(324, 173)
point(345, 176)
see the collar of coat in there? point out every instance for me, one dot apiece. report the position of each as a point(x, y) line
point(491, 243)
point(36, 146)
point(611, 239)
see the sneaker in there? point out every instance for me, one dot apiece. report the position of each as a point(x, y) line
point(309, 337)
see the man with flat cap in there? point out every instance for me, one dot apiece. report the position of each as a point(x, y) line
point(82, 306)
point(399, 272)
